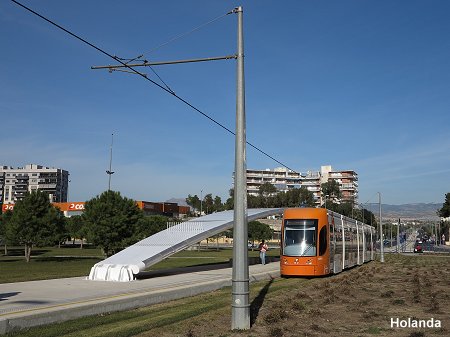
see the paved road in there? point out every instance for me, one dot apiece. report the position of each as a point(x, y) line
point(26, 304)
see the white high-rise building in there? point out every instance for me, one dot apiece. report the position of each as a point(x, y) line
point(284, 180)
point(347, 180)
point(15, 182)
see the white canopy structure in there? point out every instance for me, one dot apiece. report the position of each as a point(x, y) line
point(123, 266)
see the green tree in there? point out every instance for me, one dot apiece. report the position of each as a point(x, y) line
point(229, 204)
point(267, 189)
point(111, 221)
point(35, 222)
point(194, 202)
point(331, 191)
point(444, 212)
point(298, 197)
point(4, 220)
point(208, 203)
point(366, 216)
point(346, 209)
point(218, 206)
point(266, 192)
point(255, 201)
point(76, 228)
point(293, 198)
point(61, 235)
point(150, 225)
point(259, 231)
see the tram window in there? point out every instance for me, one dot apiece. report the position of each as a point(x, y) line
point(300, 237)
point(323, 240)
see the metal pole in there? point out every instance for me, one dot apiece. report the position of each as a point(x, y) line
point(149, 64)
point(439, 234)
point(240, 316)
point(381, 231)
point(110, 172)
point(201, 202)
point(362, 214)
point(391, 237)
point(398, 236)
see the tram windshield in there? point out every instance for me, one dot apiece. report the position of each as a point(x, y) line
point(300, 237)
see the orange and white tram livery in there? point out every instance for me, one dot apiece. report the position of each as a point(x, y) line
point(316, 242)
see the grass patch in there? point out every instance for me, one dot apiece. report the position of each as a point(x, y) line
point(189, 258)
point(71, 261)
point(15, 269)
point(138, 321)
point(387, 294)
point(48, 263)
point(398, 301)
point(287, 307)
point(373, 330)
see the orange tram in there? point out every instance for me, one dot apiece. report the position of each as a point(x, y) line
point(316, 242)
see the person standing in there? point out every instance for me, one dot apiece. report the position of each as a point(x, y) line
point(263, 248)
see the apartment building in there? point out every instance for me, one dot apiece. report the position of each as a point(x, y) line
point(15, 182)
point(347, 180)
point(284, 180)
point(311, 180)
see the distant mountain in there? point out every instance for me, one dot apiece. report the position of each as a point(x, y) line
point(179, 201)
point(418, 211)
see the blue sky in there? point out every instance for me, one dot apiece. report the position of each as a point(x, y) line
point(360, 85)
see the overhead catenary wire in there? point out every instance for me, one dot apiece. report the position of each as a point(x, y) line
point(117, 59)
point(365, 203)
point(179, 36)
point(128, 61)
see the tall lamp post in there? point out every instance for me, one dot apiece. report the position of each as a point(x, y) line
point(68, 185)
point(110, 172)
point(201, 202)
point(240, 313)
point(380, 226)
point(362, 212)
point(240, 276)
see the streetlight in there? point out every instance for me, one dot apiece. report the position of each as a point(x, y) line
point(110, 172)
point(380, 226)
point(362, 212)
point(240, 273)
point(391, 225)
point(201, 202)
point(68, 182)
point(240, 314)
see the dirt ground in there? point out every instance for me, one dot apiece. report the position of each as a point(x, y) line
point(357, 302)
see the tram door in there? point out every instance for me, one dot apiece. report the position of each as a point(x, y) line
point(332, 241)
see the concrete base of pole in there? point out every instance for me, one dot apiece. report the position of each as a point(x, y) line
point(240, 318)
point(240, 313)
